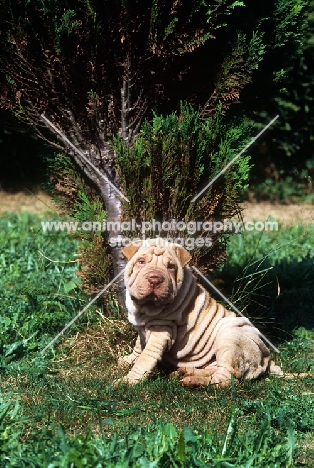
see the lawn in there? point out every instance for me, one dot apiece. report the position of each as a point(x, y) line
point(62, 409)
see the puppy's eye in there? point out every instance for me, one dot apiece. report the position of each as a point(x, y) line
point(141, 261)
point(171, 266)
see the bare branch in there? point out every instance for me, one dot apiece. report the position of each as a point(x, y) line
point(138, 120)
point(124, 111)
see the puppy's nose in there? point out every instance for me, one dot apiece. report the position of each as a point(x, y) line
point(154, 280)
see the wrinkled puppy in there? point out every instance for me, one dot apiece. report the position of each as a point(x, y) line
point(180, 324)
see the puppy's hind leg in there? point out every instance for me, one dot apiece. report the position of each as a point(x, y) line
point(193, 377)
point(240, 353)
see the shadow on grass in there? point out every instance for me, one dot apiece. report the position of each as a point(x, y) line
point(278, 299)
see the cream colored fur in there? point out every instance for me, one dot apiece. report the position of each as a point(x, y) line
point(180, 324)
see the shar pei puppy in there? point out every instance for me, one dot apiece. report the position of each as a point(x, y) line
point(182, 326)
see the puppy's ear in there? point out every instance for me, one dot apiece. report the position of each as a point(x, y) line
point(183, 255)
point(130, 250)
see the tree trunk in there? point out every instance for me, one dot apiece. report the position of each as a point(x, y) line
point(113, 206)
point(114, 213)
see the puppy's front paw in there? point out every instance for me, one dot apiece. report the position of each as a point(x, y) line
point(130, 379)
point(127, 379)
point(123, 362)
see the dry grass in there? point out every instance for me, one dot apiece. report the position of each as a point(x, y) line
point(286, 214)
point(32, 199)
point(35, 200)
point(107, 341)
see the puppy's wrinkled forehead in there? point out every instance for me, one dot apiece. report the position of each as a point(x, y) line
point(155, 251)
point(157, 256)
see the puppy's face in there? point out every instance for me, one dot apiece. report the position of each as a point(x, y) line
point(154, 273)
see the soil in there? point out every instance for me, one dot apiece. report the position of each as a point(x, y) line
point(38, 201)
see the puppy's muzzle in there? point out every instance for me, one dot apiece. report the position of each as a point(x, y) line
point(155, 280)
point(152, 286)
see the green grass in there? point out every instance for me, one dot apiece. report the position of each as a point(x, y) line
point(270, 275)
point(62, 409)
point(38, 284)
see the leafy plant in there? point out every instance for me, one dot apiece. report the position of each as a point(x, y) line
point(172, 157)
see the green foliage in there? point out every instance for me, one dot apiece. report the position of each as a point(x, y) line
point(281, 179)
point(39, 285)
point(174, 155)
point(270, 275)
point(242, 57)
point(82, 203)
point(11, 422)
point(96, 38)
point(293, 186)
point(160, 48)
point(287, 244)
point(288, 26)
point(171, 160)
point(160, 445)
point(290, 179)
point(298, 354)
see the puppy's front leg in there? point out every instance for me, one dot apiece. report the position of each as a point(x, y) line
point(128, 360)
point(147, 360)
